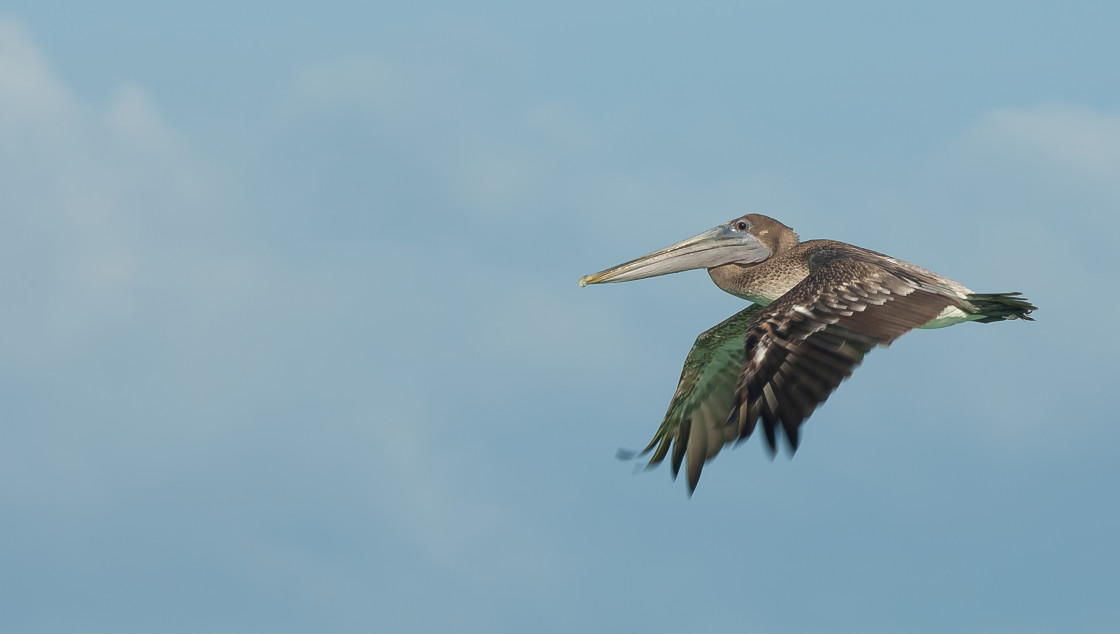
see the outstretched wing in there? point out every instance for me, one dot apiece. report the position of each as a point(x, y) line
point(695, 424)
point(799, 348)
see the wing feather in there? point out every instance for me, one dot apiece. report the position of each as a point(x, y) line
point(778, 363)
point(694, 427)
point(801, 347)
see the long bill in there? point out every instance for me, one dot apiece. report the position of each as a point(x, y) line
point(715, 247)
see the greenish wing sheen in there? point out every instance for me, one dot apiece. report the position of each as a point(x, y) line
point(695, 425)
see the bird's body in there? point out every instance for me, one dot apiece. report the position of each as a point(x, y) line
point(818, 307)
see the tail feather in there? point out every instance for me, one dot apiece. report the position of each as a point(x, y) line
point(1001, 306)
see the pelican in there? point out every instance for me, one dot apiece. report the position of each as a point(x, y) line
point(817, 308)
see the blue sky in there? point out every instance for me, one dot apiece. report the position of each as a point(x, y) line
point(292, 339)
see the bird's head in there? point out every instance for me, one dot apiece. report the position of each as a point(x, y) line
point(744, 241)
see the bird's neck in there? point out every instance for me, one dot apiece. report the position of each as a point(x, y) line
point(761, 283)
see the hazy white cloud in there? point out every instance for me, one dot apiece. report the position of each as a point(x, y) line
point(113, 228)
point(28, 91)
point(1037, 182)
point(89, 194)
point(134, 123)
point(1019, 165)
point(1079, 137)
point(493, 158)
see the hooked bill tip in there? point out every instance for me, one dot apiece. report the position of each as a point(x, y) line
point(583, 281)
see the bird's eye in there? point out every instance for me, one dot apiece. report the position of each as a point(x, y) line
point(741, 226)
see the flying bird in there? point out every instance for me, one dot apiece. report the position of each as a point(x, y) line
point(817, 308)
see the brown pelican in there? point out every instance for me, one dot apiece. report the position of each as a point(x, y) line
point(818, 307)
